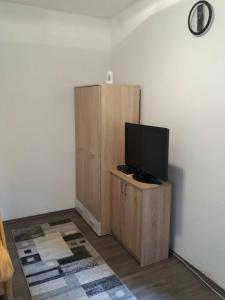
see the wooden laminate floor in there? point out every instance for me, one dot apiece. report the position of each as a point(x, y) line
point(167, 280)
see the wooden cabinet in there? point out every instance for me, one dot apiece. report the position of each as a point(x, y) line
point(100, 115)
point(140, 217)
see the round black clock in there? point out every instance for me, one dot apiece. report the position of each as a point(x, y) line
point(200, 18)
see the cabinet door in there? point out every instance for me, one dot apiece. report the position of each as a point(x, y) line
point(117, 187)
point(131, 219)
point(87, 116)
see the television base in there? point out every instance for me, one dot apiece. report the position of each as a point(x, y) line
point(126, 169)
point(146, 178)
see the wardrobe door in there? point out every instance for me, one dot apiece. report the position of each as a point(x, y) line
point(120, 104)
point(87, 116)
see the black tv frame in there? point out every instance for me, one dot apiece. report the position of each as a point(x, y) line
point(140, 174)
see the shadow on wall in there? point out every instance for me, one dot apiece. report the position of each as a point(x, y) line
point(176, 177)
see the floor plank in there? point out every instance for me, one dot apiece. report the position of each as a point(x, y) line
point(167, 280)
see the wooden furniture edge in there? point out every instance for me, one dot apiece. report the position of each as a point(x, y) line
point(7, 286)
point(139, 185)
point(109, 85)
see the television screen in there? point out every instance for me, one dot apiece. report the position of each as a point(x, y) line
point(146, 149)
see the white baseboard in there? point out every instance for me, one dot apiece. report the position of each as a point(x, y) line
point(88, 217)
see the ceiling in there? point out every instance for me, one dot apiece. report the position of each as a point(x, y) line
point(95, 8)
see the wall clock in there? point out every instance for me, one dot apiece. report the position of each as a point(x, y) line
point(200, 18)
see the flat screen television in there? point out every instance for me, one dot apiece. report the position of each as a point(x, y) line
point(146, 150)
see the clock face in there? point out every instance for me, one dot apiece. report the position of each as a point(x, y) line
point(200, 18)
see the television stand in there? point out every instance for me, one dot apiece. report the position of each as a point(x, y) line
point(140, 217)
point(146, 178)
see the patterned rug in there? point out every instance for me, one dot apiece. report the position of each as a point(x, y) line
point(60, 264)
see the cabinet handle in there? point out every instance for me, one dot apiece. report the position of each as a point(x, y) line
point(125, 190)
point(121, 187)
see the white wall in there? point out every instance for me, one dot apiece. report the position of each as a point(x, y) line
point(43, 55)
point(183, 84)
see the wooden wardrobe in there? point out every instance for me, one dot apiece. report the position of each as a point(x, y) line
point(100, 115)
